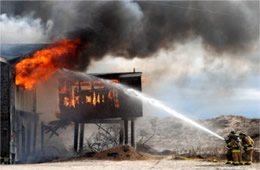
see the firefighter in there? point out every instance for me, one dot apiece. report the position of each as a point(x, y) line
point(247, 143)
point(236, 150)
point(229, 148)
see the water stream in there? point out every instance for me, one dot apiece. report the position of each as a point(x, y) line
point(160, 105)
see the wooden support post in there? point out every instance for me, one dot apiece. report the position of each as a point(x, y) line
point(133, 133)
point(35, 134)
point(42, 138)
point(81, 137)
point(28, 147)
point(126, 131)
point(121, 134)
point(35, 122)
point(23, 155)
point(76, 136)
point(34, 100)
point(13, 121)
point(17, 137)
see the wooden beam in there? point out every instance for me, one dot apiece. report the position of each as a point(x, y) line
point(34, 101)
point(17, 138)
point(126, 131)
point(121, 133)
point(81, 137)
point(23, 155)
point(104, 121)
point(76, 136)
point(35, 123)
point(28, 147)
point(42, 138)
point(133, 133)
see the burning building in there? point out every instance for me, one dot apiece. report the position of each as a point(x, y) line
point(92, 97)
point(80, 99)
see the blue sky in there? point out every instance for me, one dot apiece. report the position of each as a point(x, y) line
point(198, 104)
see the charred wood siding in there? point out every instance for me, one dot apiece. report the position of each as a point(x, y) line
point(81, 100)
point(5, 113)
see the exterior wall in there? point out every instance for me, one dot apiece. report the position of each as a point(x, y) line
point(16, 117)
point(5, 114)
point(26, 125)
point(24, 99)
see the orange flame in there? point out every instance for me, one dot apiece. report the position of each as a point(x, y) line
point(44, 63)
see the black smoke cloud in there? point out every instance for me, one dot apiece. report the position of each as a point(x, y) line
point(142, 28)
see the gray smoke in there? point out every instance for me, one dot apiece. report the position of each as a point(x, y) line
point(142, 28)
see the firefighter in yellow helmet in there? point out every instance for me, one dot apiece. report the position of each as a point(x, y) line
point(247, 143)
point(229, 148)
point(236, 150)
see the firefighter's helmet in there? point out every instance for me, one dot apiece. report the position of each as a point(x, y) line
point(242, 134)
point(233, 132)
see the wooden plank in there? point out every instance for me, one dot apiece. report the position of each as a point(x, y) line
point(35, 121)
point(17, 138)
point(126, 131)
point(133, 144)
point(121, 133)
point(76, 136)
point(81, 137)
point(23, 155)
point(42, 138)
point(13, 121)
point(28, 140)
point(104, 121)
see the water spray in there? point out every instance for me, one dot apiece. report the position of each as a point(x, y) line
point(158, 104)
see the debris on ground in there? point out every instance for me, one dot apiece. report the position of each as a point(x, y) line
point(123, 152)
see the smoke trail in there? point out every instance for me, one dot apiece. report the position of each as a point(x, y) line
point(141, 29)
point(23, 29)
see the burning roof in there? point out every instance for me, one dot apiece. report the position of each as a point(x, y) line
point(45, 62)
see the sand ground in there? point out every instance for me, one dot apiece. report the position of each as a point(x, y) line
point(128, 165)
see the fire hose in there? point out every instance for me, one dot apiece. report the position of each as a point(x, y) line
point(256, 149)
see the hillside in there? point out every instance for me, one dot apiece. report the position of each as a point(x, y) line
point(170, 135)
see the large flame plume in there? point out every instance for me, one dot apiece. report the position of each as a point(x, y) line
point(45, 62)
